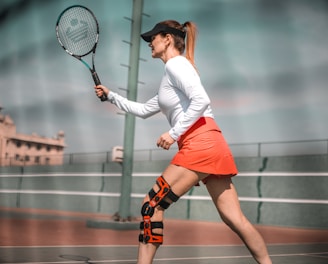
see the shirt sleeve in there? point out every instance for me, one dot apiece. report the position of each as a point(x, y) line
point(186, 79)
point(143, 110)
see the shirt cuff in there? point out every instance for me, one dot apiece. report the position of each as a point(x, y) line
point(173, 134)
point(111, 97)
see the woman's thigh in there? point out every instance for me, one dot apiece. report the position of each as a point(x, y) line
point(225, 198)
point(181, 179)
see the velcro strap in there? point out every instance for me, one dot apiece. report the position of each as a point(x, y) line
point(153, 225)
point(148, 236)
point(151, 193)
point(155, 238)
point(173, 197)
point(164, 204)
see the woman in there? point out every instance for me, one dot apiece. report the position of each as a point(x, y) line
point(203, 153)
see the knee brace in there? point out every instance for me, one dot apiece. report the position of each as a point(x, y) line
point(148, 209)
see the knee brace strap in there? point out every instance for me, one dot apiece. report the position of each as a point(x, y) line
point(148, 236)
point(148, 209)
point(164, 191)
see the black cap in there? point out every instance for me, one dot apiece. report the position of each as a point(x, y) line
point(162, 28)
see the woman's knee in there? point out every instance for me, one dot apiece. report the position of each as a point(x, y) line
point(236, 223)
point(158, 199)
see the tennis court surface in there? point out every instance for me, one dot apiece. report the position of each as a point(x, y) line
point(43, 236)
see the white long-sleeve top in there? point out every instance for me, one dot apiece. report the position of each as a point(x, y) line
point(181, 97)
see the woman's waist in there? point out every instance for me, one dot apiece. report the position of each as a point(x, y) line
point(202, 125)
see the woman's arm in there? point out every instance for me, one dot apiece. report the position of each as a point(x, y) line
point(143, 110)
point(186, 79)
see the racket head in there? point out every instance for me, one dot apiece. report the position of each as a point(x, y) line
point(77, 30)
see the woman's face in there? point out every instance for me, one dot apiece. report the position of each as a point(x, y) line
point(158, 45)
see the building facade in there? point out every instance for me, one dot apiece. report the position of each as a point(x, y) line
point(24, 150)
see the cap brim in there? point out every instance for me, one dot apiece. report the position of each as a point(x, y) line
point(155, 30)
point(147, 36)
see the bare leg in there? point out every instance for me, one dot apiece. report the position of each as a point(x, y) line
point(146, 252)
point(181, 180)
point(225, 198)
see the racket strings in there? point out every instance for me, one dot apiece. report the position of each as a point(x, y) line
point(78, 31)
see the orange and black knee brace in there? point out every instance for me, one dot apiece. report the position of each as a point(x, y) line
point(148, 209)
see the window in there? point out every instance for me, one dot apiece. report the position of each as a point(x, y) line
point(38, 146)
point(37, 159)
point(17, 156)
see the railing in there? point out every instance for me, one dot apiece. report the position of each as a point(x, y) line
point(261, 149)
point(281, 148)
point(98, 192)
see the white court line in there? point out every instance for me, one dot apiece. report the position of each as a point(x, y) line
point(172, 259)
point(59, 192)
point(317, 255)
point(167, 246)
point(283, 174)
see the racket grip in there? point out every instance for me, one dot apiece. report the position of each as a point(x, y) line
point(95, 78)
point(97, 82)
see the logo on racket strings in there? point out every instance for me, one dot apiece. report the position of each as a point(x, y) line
point(77, 31)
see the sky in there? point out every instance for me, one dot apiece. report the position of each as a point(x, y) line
point(264, 64)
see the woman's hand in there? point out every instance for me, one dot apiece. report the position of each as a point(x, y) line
point(101, 90)
point(165, 141)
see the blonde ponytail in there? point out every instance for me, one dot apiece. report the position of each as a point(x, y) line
point(191, 36)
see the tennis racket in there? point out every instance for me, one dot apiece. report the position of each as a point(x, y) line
point(77, 32)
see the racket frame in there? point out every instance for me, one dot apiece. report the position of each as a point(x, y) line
point(93, 50)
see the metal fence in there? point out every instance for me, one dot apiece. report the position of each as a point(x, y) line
point(260, 149)
point(281, 148)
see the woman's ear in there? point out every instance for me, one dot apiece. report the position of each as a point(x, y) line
point(168, 39)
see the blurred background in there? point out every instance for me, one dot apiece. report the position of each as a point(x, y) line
point(264, 64)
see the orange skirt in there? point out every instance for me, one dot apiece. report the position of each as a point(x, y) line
point(203, 149)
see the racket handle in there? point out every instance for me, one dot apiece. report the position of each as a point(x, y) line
point(97, 82)
point(95, 78)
